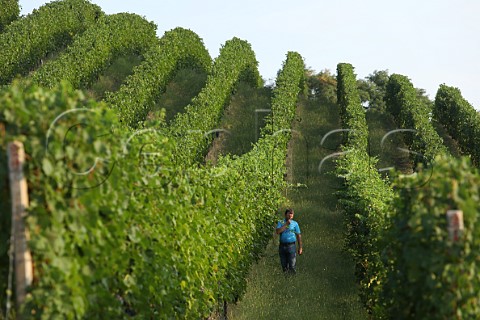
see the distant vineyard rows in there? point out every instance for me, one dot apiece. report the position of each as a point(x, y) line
point(125, 219)
point(407, 264)
point(163, 237)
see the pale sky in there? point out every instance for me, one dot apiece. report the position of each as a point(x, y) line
point(430, 41)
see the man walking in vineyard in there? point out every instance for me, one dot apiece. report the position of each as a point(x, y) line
point(289, 232)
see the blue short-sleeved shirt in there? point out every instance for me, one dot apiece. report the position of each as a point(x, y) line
point(289, 235)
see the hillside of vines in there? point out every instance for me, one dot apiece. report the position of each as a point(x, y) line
point(141, 199)
point(134, 233)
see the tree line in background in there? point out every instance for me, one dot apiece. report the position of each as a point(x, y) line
point(371, 90)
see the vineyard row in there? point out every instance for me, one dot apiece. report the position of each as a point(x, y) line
point(410, 261)
point(140, 235)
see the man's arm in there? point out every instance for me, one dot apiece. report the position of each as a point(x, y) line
point(300, 244)
point(282, 228)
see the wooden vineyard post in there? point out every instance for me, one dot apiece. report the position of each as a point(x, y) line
point(19, 193)
point(455, 224)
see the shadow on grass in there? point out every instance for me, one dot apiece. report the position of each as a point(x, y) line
point(242, 120)
point(450, 143)
point(380, 124)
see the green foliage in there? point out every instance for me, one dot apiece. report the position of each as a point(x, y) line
point(366, 198)
point(92, 52)
point(126, 222)
point(373, 89)
point(285, 93)
point(58, 224)
point(352, 113)
point(389, 154)
point(460, 119)
point(26, 41)
point(134, 234)
point(9, 11)
point(407, 267)
point(430, 276)
point(323, 86)
point(379, 78)
point(177, 49)
point(236, 62)
point(412, 112)
point(367, 203)
point(364, 89)
point(324, 287)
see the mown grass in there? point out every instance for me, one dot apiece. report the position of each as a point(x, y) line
point(380, 124)
point(448, 141)
point(389, 155)
point(112, 77)
point(179, 92)
point(185, 85)
point(241, 121)
point(324, 287)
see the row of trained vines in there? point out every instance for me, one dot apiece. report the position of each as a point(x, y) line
point(109, 37)
point(117, 230)
point(366, 198)
point(460, 119)
point(411, 113)
point(408, 265)
point(236, 62)
point(25, 42)
point(178, 48)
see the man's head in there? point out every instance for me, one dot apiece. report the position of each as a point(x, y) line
point(289, 214)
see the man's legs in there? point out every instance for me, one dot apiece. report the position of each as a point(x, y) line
point(288, 258)
point(283, 257)
point(292, 258)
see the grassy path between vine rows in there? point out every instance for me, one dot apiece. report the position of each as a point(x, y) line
point(324, 287)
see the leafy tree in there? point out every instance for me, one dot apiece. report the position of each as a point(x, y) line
point(426, 102)
point(323, 85)
point(364, 89)
point(379, 78)
point(372, 89)
point(9, 11)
